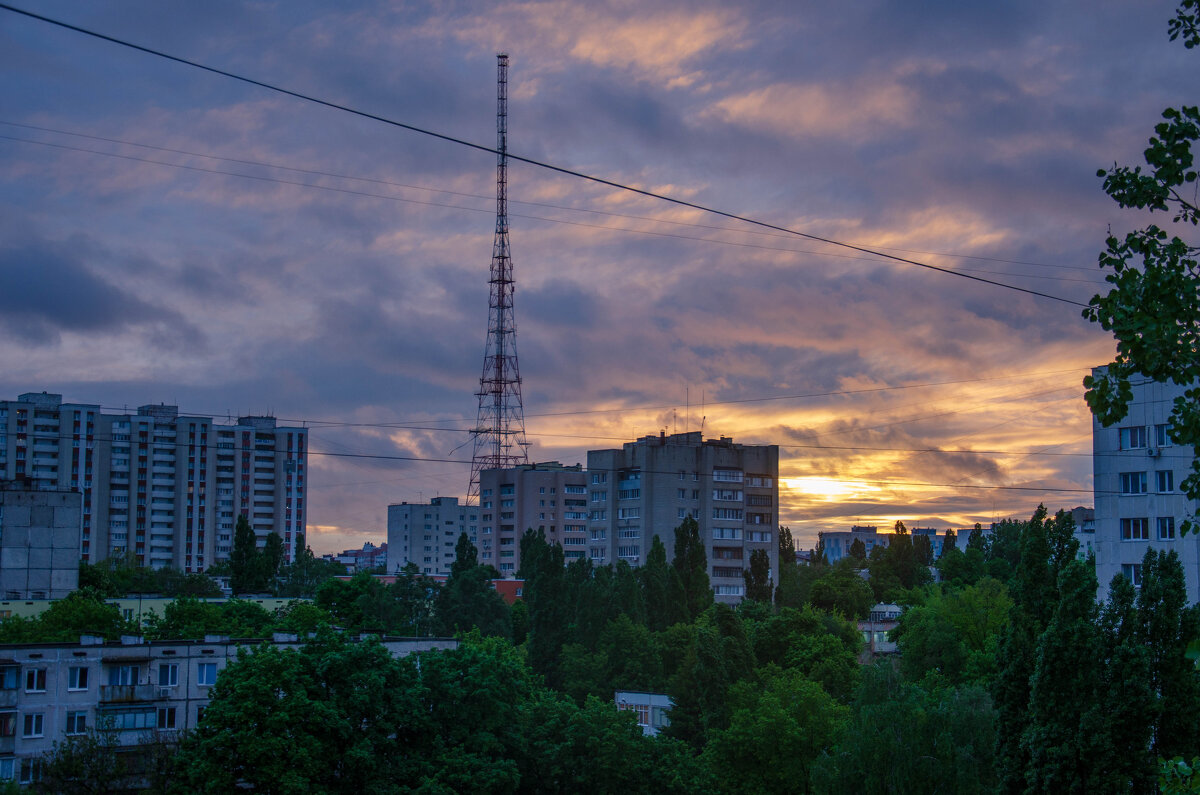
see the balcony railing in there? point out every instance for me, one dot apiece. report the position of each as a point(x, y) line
point(123, 694)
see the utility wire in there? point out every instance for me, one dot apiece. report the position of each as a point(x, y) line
point(526, 160)
point(548, 205)
point(489, 211)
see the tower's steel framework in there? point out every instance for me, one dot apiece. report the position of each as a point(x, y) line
point(500, 425)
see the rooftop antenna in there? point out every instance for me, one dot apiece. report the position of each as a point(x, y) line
point(499, 431)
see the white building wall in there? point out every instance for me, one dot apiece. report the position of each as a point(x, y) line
point(1139, 504)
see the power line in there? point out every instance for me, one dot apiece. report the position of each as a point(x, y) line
point(429, 203)
point(548, 205)
point(526, 160)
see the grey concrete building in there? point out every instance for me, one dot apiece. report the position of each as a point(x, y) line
point(549, 496)
point(1138, 501)
point(647, 487)
point(426, 533)
point(163, 487)
point(49, 692)
point(39, 540)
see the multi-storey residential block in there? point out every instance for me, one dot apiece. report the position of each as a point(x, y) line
point(549, 496)
point(133, 689)
point(39, 540)
point(648, 487)
point(837, 543)
point(1139, 504)
point(164, 488)
point(425, 534)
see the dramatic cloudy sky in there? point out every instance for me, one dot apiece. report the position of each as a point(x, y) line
point(298, 260)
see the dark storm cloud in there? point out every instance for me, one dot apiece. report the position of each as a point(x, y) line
point(47, 289)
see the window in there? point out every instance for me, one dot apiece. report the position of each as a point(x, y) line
point(31, 770)
point(77, 722)
point(1135, 530)
point(166, 717)
point(77, 678)
point(8, 724)
point(1162, 435)
point(8, 677)
point(168, 674)
point(1164, 481)
point(1133, 438)
point(128, 719)
point(629, 494)
point(729, 590)
point(628, 551)
point(727, 475)
point(35, 723)
point(1133, 482)
point(1166, 528)
point(1133, 573)
point(7, 769)
point(629, 513)
point(206, 673)
point(123, 675)
point(760, 536)
point(599, 477)
point(727, 513)
point(733, 533)
point(35, 680)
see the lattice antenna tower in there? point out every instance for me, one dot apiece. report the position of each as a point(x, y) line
point(499, 431)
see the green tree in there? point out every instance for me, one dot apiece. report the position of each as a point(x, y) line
point(794, 580)
point(904, 738)
point(545, 597)
point(244, 559)
point(1153, 308)
point(692, 593)
point(1165, 626)
point(272, 557)
point(306, 573)
point(758, 577)
point(81, 612)
point(87, 764)
point(655, 580)
point(333, 717)
point(858, 550)
point(777, 730)
point(468, 600)
point(1067, 732)
point(718, 654)
point(955, 634)
point(842, 591)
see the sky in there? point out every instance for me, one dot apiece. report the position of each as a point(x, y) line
point(168, 234)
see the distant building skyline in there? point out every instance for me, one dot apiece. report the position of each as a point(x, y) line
point(163, 487)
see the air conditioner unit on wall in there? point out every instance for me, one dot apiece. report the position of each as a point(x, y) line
point(1152, 452)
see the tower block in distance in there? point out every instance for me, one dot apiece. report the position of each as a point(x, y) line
point(499, 431)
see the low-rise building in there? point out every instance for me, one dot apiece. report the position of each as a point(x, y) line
point(50, 692)
point(651, 708)
point(882, 619)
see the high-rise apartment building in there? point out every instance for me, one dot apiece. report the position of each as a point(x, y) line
point(1139, 504)
point(426, 534)
point(549, 496)
point(39, 540)
point(160, 486)
point(648, 487)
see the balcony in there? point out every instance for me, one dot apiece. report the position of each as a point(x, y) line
point(127, 694)
point(8, 745)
